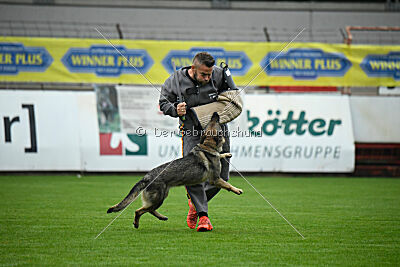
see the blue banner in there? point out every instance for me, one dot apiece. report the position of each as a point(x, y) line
point(305, 64)
point(382, 65)
point(15, 57)
point(237, 61)
point(107, 61)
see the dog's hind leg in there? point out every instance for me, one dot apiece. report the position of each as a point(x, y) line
point(156, 198)
point(147, 206)
point(152, 200)
point(138, 214)
point(159, 215)
point(142, 211)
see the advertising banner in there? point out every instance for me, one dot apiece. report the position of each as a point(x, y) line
point(41, 130)
point(132, 134)
point(294, 133)
point(275, 133)
point(96, 61)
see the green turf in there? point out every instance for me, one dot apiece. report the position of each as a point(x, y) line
point(53, 220)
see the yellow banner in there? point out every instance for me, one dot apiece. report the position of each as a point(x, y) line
point(95, 61)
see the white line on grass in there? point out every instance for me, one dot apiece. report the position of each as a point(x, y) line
point(266, 200)
point(280, 52)
point(160, 94)
point(225, 159)
point(132, 201)
point(130, 63)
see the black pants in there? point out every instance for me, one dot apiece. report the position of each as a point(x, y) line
point(200, 194)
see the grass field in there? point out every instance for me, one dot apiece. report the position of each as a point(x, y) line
point(53, 220)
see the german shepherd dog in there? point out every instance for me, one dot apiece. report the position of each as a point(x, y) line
point(201, 164)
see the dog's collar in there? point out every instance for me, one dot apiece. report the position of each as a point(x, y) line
point(208, 150)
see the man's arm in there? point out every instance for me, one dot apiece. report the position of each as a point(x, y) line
point(168, 99)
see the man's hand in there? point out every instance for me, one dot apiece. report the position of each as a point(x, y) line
point(181, 109)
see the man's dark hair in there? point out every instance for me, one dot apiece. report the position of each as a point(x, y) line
point(203, 58)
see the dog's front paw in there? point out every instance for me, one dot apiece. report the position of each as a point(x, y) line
point(227, 155)
point(237, 191)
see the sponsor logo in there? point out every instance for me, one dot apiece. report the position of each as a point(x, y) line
point(382, 65)
point(123, 144)
point(237, 61)
point(15, 58)
point(11, 123)
point(299, 151)
point(292, 124)
point(106, 61)
point(305, 64)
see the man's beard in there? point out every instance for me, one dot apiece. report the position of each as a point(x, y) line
point(199, 82)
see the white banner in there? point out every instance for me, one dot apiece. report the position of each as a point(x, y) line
point(39, 130)
point(376, 119)
point(275, 133)
point(295, 133)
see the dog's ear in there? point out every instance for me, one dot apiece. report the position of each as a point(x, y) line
point(215, 117)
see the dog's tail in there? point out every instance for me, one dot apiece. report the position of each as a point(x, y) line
point(133, 194)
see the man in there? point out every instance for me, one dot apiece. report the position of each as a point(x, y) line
point(199, 84)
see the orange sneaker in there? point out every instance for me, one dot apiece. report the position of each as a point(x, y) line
point(204, 224)
point(192, 216)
